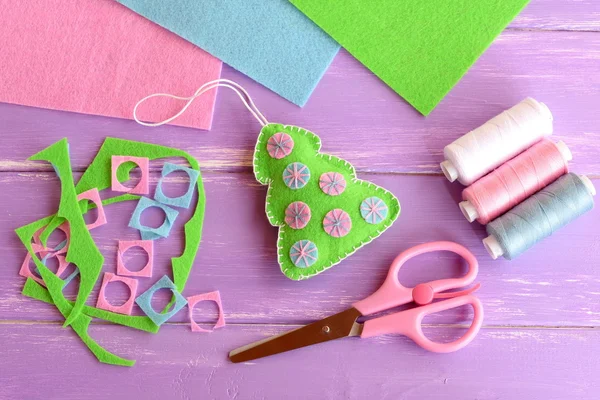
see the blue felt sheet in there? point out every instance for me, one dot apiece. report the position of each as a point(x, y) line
point(268, 40)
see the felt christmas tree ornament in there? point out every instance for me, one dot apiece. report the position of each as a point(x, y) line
point(323, 211)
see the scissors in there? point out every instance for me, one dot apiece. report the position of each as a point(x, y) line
point(391, 294)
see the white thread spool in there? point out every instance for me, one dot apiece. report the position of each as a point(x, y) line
point(478, 152)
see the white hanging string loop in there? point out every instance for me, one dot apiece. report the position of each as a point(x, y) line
point(238, 89)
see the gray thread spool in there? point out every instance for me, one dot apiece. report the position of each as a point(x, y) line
point(539, 216)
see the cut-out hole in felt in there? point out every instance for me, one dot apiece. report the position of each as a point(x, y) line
point(175, 184)
point(143, 185)
point(184, 200)
point(145, 301)
point(126, 307)
point(70, 275)
point(153, 217)
point(129, 174)
point(129, 246)
point(161, 300)
point(93, 195)
point(212, 296)
point(149, 233)
point(116, 293)
point(53, 264)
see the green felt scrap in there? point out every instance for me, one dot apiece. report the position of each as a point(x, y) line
point(36, 291)
point(98, 175)
point(54, 284)
point(82, 249)
point(421, 49)
point(331, 250)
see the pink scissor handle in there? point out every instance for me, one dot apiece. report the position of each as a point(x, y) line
point(409, 323)
point(392, 294)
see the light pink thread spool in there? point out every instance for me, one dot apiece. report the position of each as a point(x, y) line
point(514, 181)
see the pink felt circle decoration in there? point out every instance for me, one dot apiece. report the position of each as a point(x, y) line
point(332, 183)
point(337, 223)
point(280, 145)
point(297, 215)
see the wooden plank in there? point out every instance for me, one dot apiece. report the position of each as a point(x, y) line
point(566, 15)
point(554, 284)
point(176, 363)
point(357, 117)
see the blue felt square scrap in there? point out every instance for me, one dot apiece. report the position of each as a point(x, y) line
point(145, 301)
point(147, 232)
point(184, 200)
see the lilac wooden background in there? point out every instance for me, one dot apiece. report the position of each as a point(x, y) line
point(540, 338)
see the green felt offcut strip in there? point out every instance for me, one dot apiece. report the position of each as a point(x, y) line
point(82, 249)
point(421, 49)
point(98, 175)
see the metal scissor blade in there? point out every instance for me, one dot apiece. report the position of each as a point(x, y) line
point(334, 327)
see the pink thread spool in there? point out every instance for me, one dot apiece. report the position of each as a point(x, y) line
point(514, 181)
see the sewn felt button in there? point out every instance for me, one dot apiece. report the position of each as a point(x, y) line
point(296, 175)
point(280, 145)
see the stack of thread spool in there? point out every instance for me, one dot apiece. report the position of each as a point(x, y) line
point(518, 180)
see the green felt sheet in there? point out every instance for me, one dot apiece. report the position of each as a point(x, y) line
point(98, 175)
point(421, 49)
point(331, 250)
point(82, 249)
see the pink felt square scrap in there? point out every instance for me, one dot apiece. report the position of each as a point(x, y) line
point(211, 296)
point(124, 245)
point(44, 251)
point(143, 186)
point(26, 272)
point(126, 307)
point(94, 196)
point(98, 57)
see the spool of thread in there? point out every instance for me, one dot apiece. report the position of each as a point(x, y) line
point(539, 216)
point(515, 180)
point(501, 138)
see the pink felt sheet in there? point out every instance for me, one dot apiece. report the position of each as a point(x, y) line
point(211, 296)
point(98, 57)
